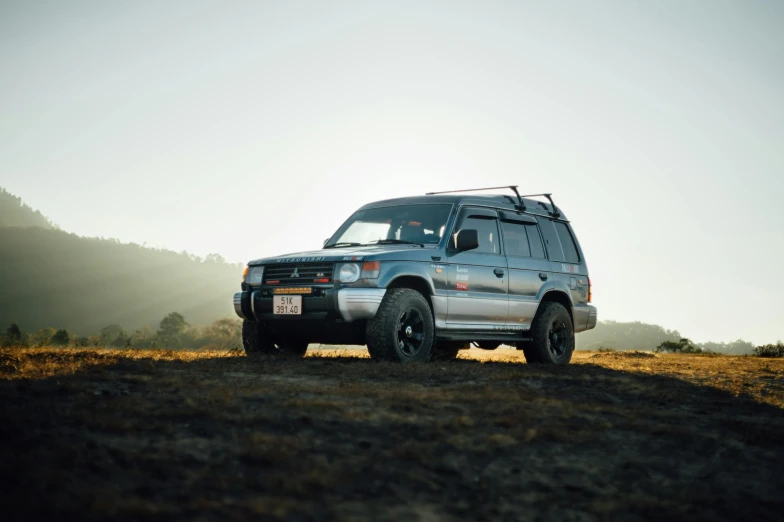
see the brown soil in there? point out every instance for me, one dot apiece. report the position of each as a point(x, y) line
point(96, 435)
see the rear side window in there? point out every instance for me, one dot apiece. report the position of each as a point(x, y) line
point(522, 240)
point(535, 241)
point(567, 243)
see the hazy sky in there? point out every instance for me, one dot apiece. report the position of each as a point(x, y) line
point(253, 129)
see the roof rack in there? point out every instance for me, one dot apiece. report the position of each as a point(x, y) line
point(520, 205)
point(555, 212)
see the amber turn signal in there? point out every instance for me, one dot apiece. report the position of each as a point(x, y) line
point(370, 269)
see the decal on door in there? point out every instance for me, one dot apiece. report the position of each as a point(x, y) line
point(572, 269)
point(461, 286)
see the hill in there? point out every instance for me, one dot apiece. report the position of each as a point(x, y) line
point(14, 213)
point(642, 336)
point(52, 278)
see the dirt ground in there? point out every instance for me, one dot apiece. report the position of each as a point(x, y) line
point(153, 435)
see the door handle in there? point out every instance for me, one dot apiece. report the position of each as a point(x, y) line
point(542, 276)
point(499, 272)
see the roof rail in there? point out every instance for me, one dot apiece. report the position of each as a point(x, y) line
point(520, 204)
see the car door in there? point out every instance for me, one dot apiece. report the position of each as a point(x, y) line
point(528, 265)
point(477, 279)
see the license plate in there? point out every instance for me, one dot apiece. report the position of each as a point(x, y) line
point(287, 305)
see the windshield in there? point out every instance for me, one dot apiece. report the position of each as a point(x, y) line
point(416, 224)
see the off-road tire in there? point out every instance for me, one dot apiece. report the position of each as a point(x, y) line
point(292, 347)
point(258, 341)
point(444, 351)
point(552, 336)
point(254, 341)
point(488, 345)
point(384, 332)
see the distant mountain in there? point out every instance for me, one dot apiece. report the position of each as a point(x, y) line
point(50, 278)
point(642, 336)
point(14, 213)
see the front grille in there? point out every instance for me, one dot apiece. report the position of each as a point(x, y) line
point(298, 274)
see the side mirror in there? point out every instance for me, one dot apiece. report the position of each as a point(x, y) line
point(467, 239)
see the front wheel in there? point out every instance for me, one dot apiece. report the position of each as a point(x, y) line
point(402, 329)
point(257, 340)
point(552, 336)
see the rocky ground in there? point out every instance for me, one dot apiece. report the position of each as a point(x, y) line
point(156, 435)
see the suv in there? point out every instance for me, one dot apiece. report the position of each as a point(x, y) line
point(419, 278)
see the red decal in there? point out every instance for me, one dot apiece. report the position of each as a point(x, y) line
point(461, 286)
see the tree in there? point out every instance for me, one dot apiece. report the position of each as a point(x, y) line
point(172, 328)
point(42, 337)
point(682, 346)
point(13, 334)
point(61, 338)
point(226, 333)
point(112, 331)
point(214, 258)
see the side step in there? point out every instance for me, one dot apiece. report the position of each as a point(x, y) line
point(482, 335)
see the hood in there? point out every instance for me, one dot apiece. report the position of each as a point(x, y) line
point(364, 253)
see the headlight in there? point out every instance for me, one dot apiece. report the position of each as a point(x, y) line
point(255, 275)
point(348, 273)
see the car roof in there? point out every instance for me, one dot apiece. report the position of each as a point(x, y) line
point(502, 202)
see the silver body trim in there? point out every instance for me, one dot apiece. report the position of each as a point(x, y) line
point(359, 303)
point(238, 305)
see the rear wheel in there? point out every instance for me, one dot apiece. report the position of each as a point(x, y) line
point(402, 329)
point(552, 336)
point(487, 345)
point(257, 340)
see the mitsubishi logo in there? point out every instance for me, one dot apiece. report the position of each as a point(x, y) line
point(295, 273)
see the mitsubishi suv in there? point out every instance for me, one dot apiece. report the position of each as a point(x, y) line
point(419, 278)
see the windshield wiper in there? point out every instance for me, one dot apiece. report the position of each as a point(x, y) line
point(340, 245)
point(391, 242)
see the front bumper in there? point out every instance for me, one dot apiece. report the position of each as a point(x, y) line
point(346, 304)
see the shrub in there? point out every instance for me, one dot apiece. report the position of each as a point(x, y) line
point(770, 350)
point(42, 337)
point(682, 346)
point(61, 338)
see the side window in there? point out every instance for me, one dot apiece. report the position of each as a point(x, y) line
point(567, 243)
point(553, 244)
point(535, 241)
point(488, 233)
point(515, 239)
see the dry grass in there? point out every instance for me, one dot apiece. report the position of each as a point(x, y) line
point(210, 436)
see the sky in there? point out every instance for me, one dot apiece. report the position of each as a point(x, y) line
point(252, 129)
